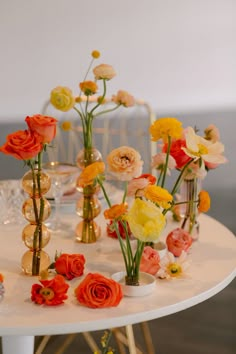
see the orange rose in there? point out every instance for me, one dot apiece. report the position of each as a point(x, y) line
point(43, 125)
point(70, 265)
point(177, 241)
point(23, 145)
point(97, 291)
point(52, 292)
point(116, 211)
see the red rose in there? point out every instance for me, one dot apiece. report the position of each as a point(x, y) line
point(43, 125)
point(23, 145)
point(178, 240)
point(177, 153)
point(52, 292)
point(70, 265)
point(150, 261)
point(97, 291)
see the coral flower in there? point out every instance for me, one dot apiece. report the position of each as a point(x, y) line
point(51, 292)
point(104, 72)
point(150, 261)
point(116, 211)
point(178, 240)
point(158, 195)
point(88, 87)
point(177, 152)
point(89, 173)
point(124, 163)
point(62, 98)
point(123, 98)
point(204, 203)
point(136, 185)
point(43, 125)
point(200, 148)
point(146, 220)
point(166, 127)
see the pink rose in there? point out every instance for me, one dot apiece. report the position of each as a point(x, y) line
point(70, 265)
point(178, 240)
point(43, 125)
point(150, 261)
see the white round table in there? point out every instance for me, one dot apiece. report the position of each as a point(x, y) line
point(213, 267)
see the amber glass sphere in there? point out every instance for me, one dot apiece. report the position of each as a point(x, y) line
point(88, 209)
point(87, 231)
point(26, 262)
point(88, 156)
point(28, 236)
point(27, 182)
point(28, 209)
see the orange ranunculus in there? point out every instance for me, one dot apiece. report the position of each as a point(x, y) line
point(97, 291)
point(116, 211)
point(90, 172)
point(23, 145)
point(52, 292)
point(88, 87)
point(150, 261)
point(70, 265)
point(43, 125)
point(204, 202)
point(178, 240)
point(158, 195)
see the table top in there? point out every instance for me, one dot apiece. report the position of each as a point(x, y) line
point(213, 267)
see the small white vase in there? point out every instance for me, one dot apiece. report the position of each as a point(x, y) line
point(147, 284)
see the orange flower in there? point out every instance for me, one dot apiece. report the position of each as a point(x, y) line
point(204, 202)
point(70, 265)
point(88, 87)
point(43, 125)
point(116, 211)
point(90, 172)
point(97, 291)
point(158, 195)
point(51, 292)
point(178, 240)
point(1, 278)
point(23, 145)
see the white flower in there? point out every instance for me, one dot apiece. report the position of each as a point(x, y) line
point(171, 267)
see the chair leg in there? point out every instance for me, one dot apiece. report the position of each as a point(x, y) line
point(147, 338)
point(42, 344)
point(131, 340)
point(67, 342)
point(90, 341)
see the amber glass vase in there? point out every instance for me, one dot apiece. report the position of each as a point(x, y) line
point(88, 206)
point(36, 209)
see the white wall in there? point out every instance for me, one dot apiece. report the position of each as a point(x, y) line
point(176, 54)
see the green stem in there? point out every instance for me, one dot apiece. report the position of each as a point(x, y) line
point(166, 163)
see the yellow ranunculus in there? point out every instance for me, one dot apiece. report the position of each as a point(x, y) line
point(62, 98)
point(164, 127)
point(146, 220)
point(158, 195)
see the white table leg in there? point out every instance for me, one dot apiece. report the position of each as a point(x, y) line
point(18, 344)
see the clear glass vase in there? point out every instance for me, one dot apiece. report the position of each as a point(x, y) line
point(88, 206)
point(36, 209)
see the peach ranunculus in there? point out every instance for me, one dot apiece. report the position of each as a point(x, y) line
point(23, 145)
point(43, 125)
point(136, 185)
point(194, 170)
point(158, 195)
point(178, 240)
point(88, 87)
point(70, 265)
point(89, 173)
point(166, 127)
point(123, 98)
point(62, 98)
point(204, 203)
point(104, 72)
point(116, 211)
point(150, 261)
point(212, 133)
point(159, 161)
point(52, 292)
point(98, 291)
point(124, 163)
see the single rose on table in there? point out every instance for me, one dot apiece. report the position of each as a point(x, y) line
point(150, 261)
point(70, 265)
point(178, 240)
point(98, 291)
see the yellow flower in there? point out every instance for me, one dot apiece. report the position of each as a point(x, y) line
point(146, 220)
point(95, 54)
point(204, 202)
point(164, 127)
point(66, 125)
point(158, 195)
point(90, 172)
point(62, 98)
point(88, 87)
point(116, 211)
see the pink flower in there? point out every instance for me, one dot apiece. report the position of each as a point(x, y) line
point(212, 133)
point(159, 160)
point(124, 163)
point(136, 185)
point(150, 261)
point(177, 241)
point(123, 98)
point(104, 72)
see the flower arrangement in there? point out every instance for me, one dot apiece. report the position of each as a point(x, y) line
point(28, 145)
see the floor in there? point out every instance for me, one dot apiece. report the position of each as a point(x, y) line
point(207, 328)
